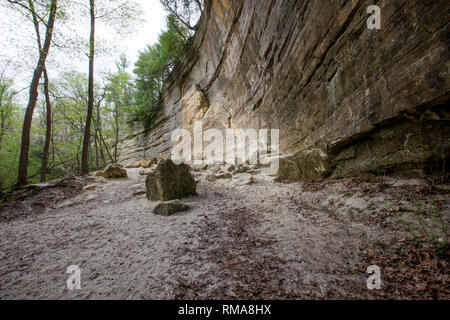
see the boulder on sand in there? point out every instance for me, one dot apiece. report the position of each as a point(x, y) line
point(170, 182)
point(114, 171)
point(169, 208)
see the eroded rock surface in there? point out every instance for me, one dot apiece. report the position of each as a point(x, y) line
point(345, 98)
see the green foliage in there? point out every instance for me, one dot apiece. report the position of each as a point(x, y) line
point(120, 93)
point(123, 99)
point(10, 121)
point(184, 14)
point(120, 106)
point(152, 70)
point(157, 61)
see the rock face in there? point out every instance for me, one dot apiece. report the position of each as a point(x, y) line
point(345, 98)
point(169, 208)
point(114, 171)
point(170, 182)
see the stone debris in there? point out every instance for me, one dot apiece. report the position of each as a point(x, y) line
point(146, 172)
point(199, 167)
point(169, 208)
point(90, 187)
point(242, 179)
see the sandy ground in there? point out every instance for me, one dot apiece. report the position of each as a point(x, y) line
point(270, 240)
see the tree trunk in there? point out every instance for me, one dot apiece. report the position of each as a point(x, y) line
point(117, 132)
point(99, 131)
point(96, 148)
point(2, 127)
point(48, 129)
point(26, 129)
point(87, 132)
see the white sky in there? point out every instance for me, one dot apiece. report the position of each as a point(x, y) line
point(17, 44)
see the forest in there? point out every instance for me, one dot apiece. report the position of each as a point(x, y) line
point(72, 124)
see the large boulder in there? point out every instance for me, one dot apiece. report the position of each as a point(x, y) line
point(169, 208)
point(114, 171)
point(170, 182)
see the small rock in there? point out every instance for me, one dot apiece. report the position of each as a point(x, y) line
point(241, 169)
point(214, 168)
point(148, 163)
point(137, 164)
point(99, 174)
point(91, 197)
point(223, 175)
point(242, 180)
point(231, 168)
point(163, 157)
point(114, 171)
point(146, 172)
point(138, 190)
point(169, 208)
point(199, 167)
point(90, 187)
point(408, 182)
point(211, 177)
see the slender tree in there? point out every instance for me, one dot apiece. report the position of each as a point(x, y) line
point(120, 13)
point(46, 94)
point(87, 129)
point(48, 131)
point(34, 87)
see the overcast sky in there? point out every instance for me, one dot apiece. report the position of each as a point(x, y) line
point(149, 31)
point(17, 42)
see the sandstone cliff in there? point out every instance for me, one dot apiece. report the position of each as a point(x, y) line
point(345, 98)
